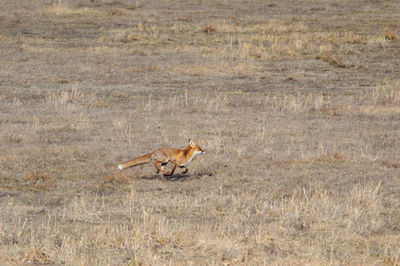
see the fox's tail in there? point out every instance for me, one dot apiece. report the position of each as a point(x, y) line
point(135, 161)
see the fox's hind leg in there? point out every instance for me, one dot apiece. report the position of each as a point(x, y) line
point(155, 163)
point(162, 167)
point(165, 173)
point(160, 158)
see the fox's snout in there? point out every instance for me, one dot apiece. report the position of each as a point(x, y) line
point(200, 152)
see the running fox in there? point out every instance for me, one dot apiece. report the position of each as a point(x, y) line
point(178, 158)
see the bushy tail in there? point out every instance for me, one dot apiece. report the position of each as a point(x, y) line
point(135, 161)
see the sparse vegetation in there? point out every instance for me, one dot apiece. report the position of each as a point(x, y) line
point(389, 35)
point(296, 104)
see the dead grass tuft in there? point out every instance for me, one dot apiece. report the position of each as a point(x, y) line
point(36, 180)
point(115, 12)
point(115, 178)
point(391, 164)
point(64, 10)
point(208, 28)
point(74, 95)
point(125, 36)
point(300, 103)
point(36, 256)
point(387, 93)
point(37, 177)
point(392, 260)
point(333, 61)
point(389, 35)
point(14, 139)
point(383, 98)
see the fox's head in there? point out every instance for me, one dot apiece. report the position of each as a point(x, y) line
point(197, 148)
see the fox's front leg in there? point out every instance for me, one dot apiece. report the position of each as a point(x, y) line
point(184, 169)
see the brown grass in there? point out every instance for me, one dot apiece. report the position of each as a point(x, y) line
point(390, 35)
point(295, 104)
point(326, 57)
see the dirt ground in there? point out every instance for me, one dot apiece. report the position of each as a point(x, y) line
point(296, 103)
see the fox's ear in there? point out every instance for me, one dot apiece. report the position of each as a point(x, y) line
point(191, 142)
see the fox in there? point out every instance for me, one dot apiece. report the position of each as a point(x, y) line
point(162, 156)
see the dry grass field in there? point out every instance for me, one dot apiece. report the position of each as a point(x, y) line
point(296, 103)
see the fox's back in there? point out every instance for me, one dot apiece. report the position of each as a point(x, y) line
point(172, 153)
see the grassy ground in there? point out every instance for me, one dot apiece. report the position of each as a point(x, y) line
point(297, 104)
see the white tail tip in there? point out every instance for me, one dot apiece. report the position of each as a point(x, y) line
point(120, 167)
